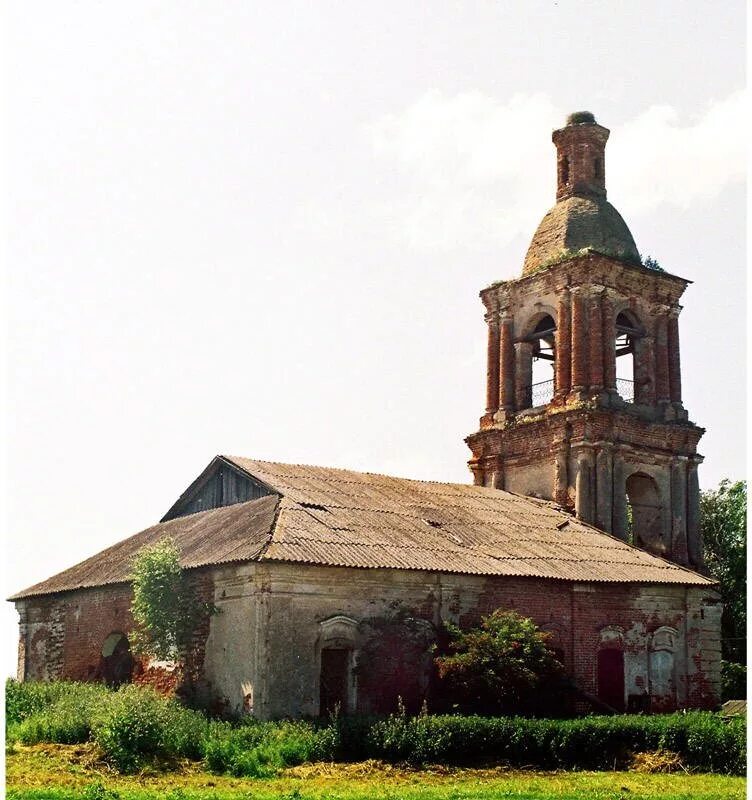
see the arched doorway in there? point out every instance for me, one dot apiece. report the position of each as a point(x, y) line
point(117, 661)
point(645, 514)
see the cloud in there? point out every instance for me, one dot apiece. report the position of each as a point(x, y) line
point(468, 170)
point(655, 159)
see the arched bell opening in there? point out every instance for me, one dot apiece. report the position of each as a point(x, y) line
point(627, 335)
point(537, 371)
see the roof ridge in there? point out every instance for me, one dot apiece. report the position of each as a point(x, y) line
point(234, 460)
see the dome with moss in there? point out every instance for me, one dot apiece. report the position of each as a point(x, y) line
point(580, 223)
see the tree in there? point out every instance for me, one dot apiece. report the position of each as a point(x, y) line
point(164, 606)
point(503, 666)
point(723, 515)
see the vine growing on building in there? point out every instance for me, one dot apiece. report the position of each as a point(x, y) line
point(164, 606)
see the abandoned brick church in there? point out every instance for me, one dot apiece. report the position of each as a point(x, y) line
point(331, 585)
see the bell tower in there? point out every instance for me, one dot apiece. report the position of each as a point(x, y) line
point(583, 391)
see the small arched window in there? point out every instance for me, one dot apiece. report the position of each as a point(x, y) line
point(597, 169)
point(565, 170)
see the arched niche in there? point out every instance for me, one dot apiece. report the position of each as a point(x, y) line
point(645, 527)
point(662, 667)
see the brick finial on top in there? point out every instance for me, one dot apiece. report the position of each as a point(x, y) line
point(580, 157)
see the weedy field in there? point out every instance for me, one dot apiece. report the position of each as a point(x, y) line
point(76, 772)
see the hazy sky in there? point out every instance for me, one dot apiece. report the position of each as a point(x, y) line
point(260, 228)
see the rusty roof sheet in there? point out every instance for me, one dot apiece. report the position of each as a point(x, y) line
point(337, 517)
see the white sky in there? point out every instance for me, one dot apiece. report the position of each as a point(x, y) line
point(260, 228)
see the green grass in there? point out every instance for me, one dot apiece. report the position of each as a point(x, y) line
point(74, 772)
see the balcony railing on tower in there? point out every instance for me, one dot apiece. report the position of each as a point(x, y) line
point(625, 389)
point(542, 393)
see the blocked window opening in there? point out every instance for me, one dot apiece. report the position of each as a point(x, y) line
point(565, 170)
point(644, 514)
point(117, 660)
point(597, 168)
point(611, 677)
point(662, 668)
point(336, 666)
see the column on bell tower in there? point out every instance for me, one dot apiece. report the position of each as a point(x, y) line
point(662, 386)
point(674, 361)
point(563, 363)
point(579, 341)
point(609, 341)
point(492, 367)
point(506, 397)
point(595, 337)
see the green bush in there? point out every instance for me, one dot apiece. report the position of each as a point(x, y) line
point(733, 681)
point(702, 739)
point(499, 667)
point(23, 700)
point(137, 723)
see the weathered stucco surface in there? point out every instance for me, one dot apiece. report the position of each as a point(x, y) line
point(261, 654)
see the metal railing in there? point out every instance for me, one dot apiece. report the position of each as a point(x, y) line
point(625, 389)
point(542, 393)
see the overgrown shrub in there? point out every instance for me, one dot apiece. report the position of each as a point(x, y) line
point(137, 723)
point(702, 740)
point(502, 666)
point(733, 681)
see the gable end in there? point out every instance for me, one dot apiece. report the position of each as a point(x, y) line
point(220, 484)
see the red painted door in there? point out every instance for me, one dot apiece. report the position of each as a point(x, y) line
point(611, 678)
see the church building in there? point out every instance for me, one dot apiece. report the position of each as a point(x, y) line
point(332, 585)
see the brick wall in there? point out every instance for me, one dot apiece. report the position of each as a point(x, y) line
point(669, 635)
point(61, 636)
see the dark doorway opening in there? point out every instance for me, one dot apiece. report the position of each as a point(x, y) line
point(335, 679)
point(611, 678)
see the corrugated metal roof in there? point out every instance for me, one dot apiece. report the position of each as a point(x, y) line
point(234, 533)
point(338, 517)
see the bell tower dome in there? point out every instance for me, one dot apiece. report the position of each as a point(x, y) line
point(583, 385)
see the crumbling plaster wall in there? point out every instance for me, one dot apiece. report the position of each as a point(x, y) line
point(264, 647)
